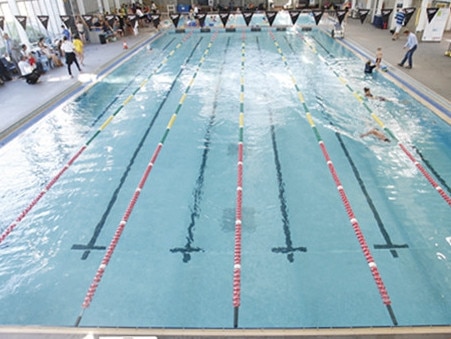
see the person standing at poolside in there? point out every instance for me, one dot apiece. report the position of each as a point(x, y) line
point(12, 49)
point(378, 57)
point(79, 48)
point(65, 32)
point(399, 18)
point(81, 30)
point(411, 45)
point(68, 49)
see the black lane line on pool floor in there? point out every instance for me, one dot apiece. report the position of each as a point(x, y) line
point(388, 242)
point(91, 244)
point(198, 190)
point(409, 155)
point(432, 169)
point(288, 249)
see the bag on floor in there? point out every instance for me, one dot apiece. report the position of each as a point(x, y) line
point(33, 77)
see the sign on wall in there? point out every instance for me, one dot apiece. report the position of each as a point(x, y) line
point(437, 19)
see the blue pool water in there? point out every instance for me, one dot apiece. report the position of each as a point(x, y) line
point(302, 264)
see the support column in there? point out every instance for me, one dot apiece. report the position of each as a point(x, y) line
point(22, 34)
point(379, 7)
point(106, 5)
point(423, 16)
point(81, 7)
point(100, 4)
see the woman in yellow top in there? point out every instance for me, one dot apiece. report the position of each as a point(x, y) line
point(78, 49)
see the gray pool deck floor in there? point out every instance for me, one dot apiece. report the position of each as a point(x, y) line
point(21, 102)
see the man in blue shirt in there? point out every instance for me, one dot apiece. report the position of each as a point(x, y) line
point(411, 45)
point(399, 18)
point(66, 32)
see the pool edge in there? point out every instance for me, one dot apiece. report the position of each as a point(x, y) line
point(432, 332)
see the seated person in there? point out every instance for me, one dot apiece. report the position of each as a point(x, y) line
point(96, 24)
point(369, 67)
point(41, 61)
point(107, 30)
point(28, 72)
point(378, 134)
point(55, 61)
point(5, 74)
point(117, 29)
point(153, 7)
point(370, 95)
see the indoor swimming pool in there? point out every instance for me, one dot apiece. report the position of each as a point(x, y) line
point(220, 180)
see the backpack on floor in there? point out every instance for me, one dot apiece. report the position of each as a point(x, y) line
point(33, 77)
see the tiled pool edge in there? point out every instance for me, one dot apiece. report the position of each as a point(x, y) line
point(432, 332)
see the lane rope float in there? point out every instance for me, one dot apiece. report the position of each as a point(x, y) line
point(239, 194)
point(112, 246)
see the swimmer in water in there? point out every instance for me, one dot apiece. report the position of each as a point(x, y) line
point(370, 95)
point(377, 133)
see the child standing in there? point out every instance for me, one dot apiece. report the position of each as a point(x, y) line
point(79, 49)
point(378, 57)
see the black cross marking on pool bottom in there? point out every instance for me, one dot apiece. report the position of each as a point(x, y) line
point(388, 243)
point(87, 248)
point(288, 249)
point(188, 249)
